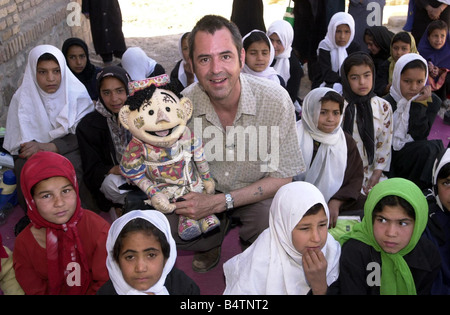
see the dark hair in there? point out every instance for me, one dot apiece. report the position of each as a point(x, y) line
point(137, 99)
point(314, 209)
point(393, 201)
point(444, 172)
point(401, 37)
point(47, 57)
point(414, 65)
point(256, 37)
point(358, 59)
point(144, 226)
point(436, 25)
point(334, 97)
point(211, 24)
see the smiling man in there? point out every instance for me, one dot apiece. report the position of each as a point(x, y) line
point(225, 101)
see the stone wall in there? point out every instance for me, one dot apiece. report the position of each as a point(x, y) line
point(27, 23)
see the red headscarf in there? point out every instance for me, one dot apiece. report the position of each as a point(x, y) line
point(3, 253)
point(63, 243)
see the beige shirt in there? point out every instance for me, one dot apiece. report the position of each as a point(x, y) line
point(262, 141)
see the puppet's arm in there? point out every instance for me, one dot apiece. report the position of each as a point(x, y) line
point(202, 166)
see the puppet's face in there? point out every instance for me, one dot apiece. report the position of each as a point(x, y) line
point(160, 121)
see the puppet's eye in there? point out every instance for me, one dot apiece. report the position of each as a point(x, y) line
point(151, 112)
point(168, 109)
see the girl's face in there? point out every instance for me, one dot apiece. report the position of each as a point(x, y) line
point(277, 44)
point(56, 199)
point(437, 38)
point(360, 79)
point(141, 260)
point(185, 48)
point(257, 56)
point(444, 191)
point(399, 49)
point(371, 45)
point(113, 93)
point(329, 117)
point(48, 76)
point(411, 82)
point(77, 59)
point(342, 35)
point(310, 232)
point(393, 228)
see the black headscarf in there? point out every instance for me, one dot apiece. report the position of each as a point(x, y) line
point(382, 38)
point(89, 75)
point(364, 114)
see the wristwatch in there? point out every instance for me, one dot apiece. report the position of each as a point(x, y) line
point(230, 201)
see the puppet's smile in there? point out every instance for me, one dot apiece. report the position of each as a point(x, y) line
point(162, 133)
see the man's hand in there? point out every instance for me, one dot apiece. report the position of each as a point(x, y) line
point(197, 205)
point(27, 149)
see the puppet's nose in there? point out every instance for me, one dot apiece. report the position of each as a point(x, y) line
point(161, 116)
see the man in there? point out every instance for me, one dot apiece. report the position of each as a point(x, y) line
point(247, 126)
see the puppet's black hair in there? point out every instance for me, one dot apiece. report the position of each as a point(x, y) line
point(135, 101)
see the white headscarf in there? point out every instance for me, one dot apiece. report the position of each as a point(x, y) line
point(338, 53)
point(328, 168)
point(272, 265)
point(285, 32)
point(159, 220)
point(138, 65)
point(181, 72)
point(268, 73)
point(401, 114)
point(36, 115)
point(438, 164)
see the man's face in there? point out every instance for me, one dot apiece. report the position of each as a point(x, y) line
point(217, 65)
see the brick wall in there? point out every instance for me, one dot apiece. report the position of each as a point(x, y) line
point(27, 23)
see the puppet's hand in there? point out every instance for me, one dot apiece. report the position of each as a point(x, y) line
point(161, 203)
point(210, 186)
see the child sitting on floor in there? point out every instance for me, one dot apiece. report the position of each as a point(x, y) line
point(294, 255)
point(63, 249)
point(333, 163)
point(141, 257)
point(182, 74)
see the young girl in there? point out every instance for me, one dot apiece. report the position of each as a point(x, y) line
point(259, 55)
point(438, 229)
point(140, 66)
point(333, 163)
point(402, 43)
point(334, 48)
point(286, 63)
point(367, 117)
point(44, 112)
point(182, 73)
point(435, 48)
point(141, 257)
point(386, 253)
point(63, 249)
point(378, 40)
point(77, 56)
point(102, 140)
point(412, 154)
point(295, 254)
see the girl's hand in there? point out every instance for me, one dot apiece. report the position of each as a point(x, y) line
point(315, 268)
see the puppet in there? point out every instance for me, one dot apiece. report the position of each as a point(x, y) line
point(163, 158)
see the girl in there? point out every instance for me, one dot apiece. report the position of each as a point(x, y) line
point(333, 163)
point(435, 48)
point(140, 66)
point(44, 112)
point(412, 154)
point(259, 55)
point(102, 140)
point(141, 257)
point(334, 48)
point(402, 43)
point(286, 63)
point(182, 73)
point(378, 40)
point(367, 117)
point(385, 253)
point(295, 254)
point(77, 56)
point(438, 229)
point(63, 249)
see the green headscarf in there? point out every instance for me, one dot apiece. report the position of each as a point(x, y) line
point(396, 277)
